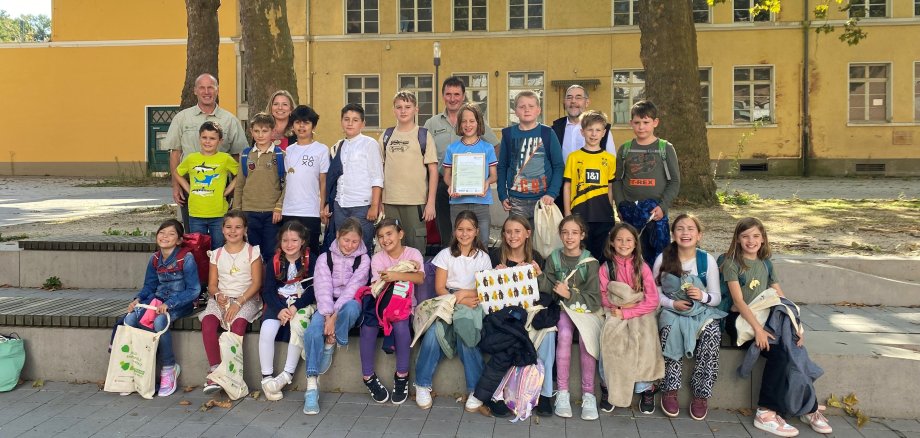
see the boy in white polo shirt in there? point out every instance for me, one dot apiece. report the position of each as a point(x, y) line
point(306, 163)
point(355, 176)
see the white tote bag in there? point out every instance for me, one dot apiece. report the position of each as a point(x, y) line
point(546, 220)
point(299, 324)
point(132, 364)
point(229, 374)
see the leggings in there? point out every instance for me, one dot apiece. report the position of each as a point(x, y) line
point(267, 335)
point(706, 357)
point(564, 357)
point(369, 344)
point(209, 326)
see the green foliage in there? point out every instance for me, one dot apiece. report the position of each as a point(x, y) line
point(736, 197)
point(53, 283)
point(852, 33)
point(25, 28)
point(136, 233)
point(13, 237)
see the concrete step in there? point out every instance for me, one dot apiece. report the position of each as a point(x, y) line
point(862, 350)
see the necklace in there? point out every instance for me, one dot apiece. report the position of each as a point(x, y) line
point(233, 268)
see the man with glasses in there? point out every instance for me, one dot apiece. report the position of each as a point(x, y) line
point(568, 128)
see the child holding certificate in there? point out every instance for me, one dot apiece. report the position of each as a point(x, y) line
point(470, 128)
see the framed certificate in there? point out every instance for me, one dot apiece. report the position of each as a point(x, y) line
point(468, 174)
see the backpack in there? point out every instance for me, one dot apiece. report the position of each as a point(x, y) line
point(279, 162)
point(520, 389)
point(422, 138)
point(582, 268)
point(221, 249)
point(354, 266)
point(196, 243)
point(726, 303)
point(702, 265)
point(662, 151)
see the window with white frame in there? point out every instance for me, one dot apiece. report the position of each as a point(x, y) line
point(869, 8)
point(415, 15)
point(868, 99)
point(706, 94)
point(625, 12)
point(753, 95)
point(423, 87)
point(470, 15)
point(477, 90)
point(517, 82)
point(743, 14)
point(628, 88)
point(525, 14)
point(365, 90)
point(701, 12)
point(361, 16)
point(917, 91)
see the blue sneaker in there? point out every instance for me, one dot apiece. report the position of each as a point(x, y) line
point(311, 402)
point(325, 361)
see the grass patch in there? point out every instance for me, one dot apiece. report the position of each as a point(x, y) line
point(129, 181)
point(736, 197)
point(136, 233)
point(13, 237)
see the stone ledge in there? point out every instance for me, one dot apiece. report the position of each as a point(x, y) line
point(93, 243)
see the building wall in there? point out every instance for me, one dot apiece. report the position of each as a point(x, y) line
point(105, 68)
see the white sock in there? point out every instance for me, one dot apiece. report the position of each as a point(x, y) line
point(311, 382)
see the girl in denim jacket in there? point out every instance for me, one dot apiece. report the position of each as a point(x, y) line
point(171, 284)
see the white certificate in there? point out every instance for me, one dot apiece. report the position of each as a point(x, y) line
point(468, 174)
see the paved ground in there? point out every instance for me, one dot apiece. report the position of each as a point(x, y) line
point(34, 199)
point(69, 410)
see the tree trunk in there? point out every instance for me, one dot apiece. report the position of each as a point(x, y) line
point(672, 82)
point(201, 49)
point(268, 62)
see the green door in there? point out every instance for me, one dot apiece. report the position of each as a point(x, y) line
point(158, 120)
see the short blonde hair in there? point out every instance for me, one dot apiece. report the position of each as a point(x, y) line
point(406, 95)
point(591, 117)
point(526, 93)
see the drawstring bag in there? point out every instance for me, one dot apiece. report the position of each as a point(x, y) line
point(546, 219)
point(229, 374)
point(12, 358)
point(133, 361)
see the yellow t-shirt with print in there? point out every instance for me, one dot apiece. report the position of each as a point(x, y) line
point(590, 174)
point(207, 181)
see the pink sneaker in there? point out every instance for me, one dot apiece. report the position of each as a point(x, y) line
point(817, 421)
point(169, 379)
point(770, 422)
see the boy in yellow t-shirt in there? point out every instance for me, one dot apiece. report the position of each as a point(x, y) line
point(587, 187)
point(207, 183)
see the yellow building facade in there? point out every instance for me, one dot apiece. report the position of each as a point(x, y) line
point(96, 99)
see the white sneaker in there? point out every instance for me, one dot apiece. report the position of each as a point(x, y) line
point(588, 407)
point(472, 404)
point(562, 408)
point(273, 386)
point(423, 396)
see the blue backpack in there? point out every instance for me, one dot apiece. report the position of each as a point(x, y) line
point(279, 163)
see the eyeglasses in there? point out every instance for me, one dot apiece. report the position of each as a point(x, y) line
point(576, 98)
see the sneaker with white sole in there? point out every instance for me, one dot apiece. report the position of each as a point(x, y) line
point(378, 392)
point(588, 407)
point(562, 407)
point(169, 379)
point(817, 421)
point(472, 403)
point(274, 385)
point(325, 360)
point(210, 387)
point(400, 389)
point(423, 396)
point(771, 422)
point(311, 402)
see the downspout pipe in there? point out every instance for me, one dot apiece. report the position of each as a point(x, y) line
point(806, 127)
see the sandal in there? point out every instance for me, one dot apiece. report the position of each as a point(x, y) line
point(817, 421)
point(770, 422)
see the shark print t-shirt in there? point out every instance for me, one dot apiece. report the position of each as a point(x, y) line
point(207, 177)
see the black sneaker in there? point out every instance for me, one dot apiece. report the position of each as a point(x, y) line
point(400, 389)
point(604, 404)
point(499, 409)
point(545, 406)
point(377, 390)
point(647, 401)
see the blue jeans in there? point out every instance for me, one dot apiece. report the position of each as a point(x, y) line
point(212, 226)
point(314, 340)
point(547, 353)
point(430, 355)
point(339, 214)
point(262, 232)
point(165, 354)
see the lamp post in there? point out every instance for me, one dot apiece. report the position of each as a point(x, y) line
point(437, 65)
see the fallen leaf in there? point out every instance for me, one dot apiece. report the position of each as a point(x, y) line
point(38, 383)
point(861, 419)
point(184, 403)
point(189, 388)
point(833, 402)
point(745, 412)
point(851, 399)
point(226, 404)
point(255, 394)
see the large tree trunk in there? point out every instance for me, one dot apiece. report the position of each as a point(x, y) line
point(672, 82)
point(268, 62)
point(201, 49)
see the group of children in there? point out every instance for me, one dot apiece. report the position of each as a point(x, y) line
point(607, 293)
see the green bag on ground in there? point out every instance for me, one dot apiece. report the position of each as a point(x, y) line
point(12, 358)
